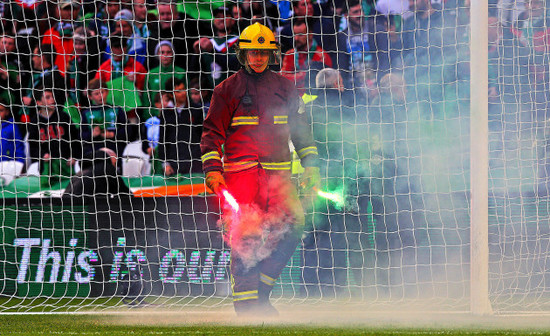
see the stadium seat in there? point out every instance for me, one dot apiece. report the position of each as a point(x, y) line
point(9, 170)
point(33, 169)
point(135, 163)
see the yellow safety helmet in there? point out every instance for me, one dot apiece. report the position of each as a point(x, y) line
point(257, 37)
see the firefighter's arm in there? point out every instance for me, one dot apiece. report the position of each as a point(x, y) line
point(302, 138)
point(214, 132)
point(215, 127)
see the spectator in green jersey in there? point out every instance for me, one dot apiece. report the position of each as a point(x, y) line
point(157, 77)
point(215, 57)
point(102, 124)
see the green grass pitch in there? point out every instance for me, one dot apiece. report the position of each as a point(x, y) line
point(156, 324)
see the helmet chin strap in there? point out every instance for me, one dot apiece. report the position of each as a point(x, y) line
point(249, 69)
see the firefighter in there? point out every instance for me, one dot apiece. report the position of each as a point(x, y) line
point(253, 115)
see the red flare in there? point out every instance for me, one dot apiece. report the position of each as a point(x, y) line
point(229, 199)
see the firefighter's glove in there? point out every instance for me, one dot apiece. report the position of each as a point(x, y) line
point(311, 178)
point(216, 182)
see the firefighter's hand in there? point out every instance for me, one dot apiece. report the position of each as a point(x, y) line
point(311, 178)
point(216, 182)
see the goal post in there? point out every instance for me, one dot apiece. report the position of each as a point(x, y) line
point(479, 160)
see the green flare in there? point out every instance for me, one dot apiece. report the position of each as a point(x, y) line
point(335, 197)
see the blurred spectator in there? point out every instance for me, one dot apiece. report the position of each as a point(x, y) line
point(104, 125)
point(139, 9)
point(216, 58)
point(83, 67)
point(6, 19)
point(428, 30)
point(20, 16)
point(302, 63)
point(323, 28)
point(331, 81)
point(44, 75)
point(54, 141)
point(104, 22)
point(12, 147)
point(533, 32)
point(11, 140)
point(262, 11)
point(157, 77)
point(393, 90)
point(7, 24)
point(366, 89)
point(392, 24)
point(361, 45)
point(162, 100)
point(8, 49)
point(66, 13)
point(416, 27)
point(199, 95)
point(431, 52)
point(121, 64)
point(505, 58)
point(392, 7)
point(241, 22)
point(9, 69)
point(98, 177)
point(179, 29)
point(124, 26)
point(150, 132)
point(180, 133)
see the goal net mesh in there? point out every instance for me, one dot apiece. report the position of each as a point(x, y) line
point(83, 227)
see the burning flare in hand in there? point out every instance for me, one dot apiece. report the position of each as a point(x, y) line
point(229, 199)
point(334, 197)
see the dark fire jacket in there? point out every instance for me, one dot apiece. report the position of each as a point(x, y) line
point(253, 116)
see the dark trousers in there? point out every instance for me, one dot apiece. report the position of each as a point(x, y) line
point(263, 235)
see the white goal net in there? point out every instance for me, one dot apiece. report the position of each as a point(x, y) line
point(103, 197)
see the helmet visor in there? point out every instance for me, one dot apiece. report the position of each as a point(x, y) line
point(274, 55)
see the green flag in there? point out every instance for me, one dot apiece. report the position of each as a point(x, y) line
point(201, 9)
point(123, 93)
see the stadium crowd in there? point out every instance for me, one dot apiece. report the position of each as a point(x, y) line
point(124, 70)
